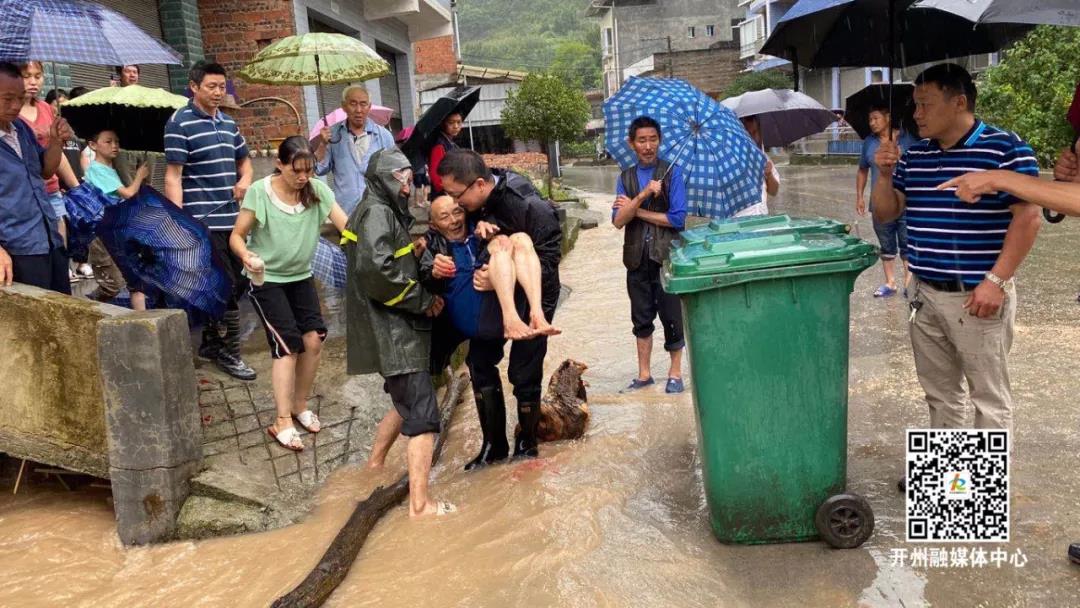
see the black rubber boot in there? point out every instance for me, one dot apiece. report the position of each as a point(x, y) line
point(1074, 553)
point(491, 409)
point(211, 343)
point(525, 443)
point(228, 359)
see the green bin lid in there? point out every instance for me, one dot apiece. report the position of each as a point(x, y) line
point(735, 228)
point(730, 258)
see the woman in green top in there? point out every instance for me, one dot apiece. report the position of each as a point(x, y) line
point(275, 235)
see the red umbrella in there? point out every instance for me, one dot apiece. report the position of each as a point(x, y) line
point(1074, 110)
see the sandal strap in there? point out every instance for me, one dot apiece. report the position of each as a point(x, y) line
point(288, 436)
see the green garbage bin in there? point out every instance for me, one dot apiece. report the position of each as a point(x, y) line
point(767, 313)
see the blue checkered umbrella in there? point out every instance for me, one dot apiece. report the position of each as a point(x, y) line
point(73, 31)
point(157, 244)
point(723, 168)
point(86, 206)
point(329, 263)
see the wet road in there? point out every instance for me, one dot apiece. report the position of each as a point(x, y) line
point(618, 518)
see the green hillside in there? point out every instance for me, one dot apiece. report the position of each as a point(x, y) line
point(532, 35)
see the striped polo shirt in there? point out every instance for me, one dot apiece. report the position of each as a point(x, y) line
point(209, 150)
point(948, 239)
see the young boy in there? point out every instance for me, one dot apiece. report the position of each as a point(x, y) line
point(651, 205)
point(512, 260)
point(101, 172)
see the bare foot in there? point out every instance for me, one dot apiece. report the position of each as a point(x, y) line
point(433, 508)
point(375, 466)
point(516, 329)
point(543, 328)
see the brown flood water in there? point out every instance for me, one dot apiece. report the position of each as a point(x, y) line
point(612, 520)
point(618, 518)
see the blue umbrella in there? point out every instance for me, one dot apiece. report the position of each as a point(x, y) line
point(833, 33)
point(157, 244)
point(86, 206)
point(329, 264)
point(1036, 12)
point(74, 31)
point(723, 167)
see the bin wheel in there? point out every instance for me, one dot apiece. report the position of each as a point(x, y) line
point(845, 521)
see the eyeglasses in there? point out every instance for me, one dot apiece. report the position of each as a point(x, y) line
point(459, 194)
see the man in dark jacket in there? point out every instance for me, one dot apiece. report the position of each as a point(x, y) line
point(388, 316)
point(507, 203)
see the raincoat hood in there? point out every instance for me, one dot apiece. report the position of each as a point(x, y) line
point(380, 177)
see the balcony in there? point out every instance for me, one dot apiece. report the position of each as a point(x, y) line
point(425, 18)
point(752, 36)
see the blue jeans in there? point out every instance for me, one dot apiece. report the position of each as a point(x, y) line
point(893, 239)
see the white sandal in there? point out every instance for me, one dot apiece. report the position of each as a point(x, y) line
point(289, 438)
point(445, 508)
point(309, 420)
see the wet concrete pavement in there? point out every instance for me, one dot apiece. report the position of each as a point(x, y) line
point(618, 518)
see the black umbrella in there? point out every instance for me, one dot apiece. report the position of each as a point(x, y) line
point(837, 33)
point(857, 108)
point(461, 100)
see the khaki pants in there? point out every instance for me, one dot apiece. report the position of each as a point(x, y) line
point(951, 346)
point(107, 275)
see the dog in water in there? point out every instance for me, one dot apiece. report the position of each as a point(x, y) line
point(564, 410)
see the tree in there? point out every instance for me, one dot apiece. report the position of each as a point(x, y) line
point(756, 81)
point(577, 64)
point(1029, 92)
point(545, 109)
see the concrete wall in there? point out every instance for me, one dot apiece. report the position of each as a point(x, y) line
point(710, 70)
point(101, 390)
point(51, 406)
point(672, 18)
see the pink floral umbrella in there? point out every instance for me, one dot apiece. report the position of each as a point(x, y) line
point(380, 114)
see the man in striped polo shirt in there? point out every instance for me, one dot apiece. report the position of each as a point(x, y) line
point(208, 172)
point(963, 256)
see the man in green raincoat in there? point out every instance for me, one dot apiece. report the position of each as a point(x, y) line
point(389, 320)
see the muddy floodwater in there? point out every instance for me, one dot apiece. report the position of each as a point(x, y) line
point(619, 517)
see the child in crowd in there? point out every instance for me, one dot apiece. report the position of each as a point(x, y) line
point(512, 261)
point(102, 174)
point(275, 236)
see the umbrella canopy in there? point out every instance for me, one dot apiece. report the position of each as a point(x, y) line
point(832, 33)
point(784, 115)
point(138, 115)
point(381, 115)
point(329, 265)
point(461, 100)
point(73, 31)
point(899, 97)
point(162, 246)
point(86, 206)
point(315, 59)
point(723, 167)
point(1035, 12)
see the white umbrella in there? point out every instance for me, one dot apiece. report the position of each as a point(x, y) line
point(784, 115)
point(1033, 12)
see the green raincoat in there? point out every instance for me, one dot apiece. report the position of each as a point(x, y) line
point(384, 300)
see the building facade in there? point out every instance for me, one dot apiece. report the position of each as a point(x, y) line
point(633, 31)
point(232, 32)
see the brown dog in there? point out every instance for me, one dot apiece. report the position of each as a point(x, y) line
point(564, 410)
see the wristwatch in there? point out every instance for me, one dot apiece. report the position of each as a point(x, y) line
point(996, 280)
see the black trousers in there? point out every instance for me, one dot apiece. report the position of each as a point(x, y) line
point(413, 396)
point(648, 300)
point(526, 370)
point(47, 271)
point(219, 240)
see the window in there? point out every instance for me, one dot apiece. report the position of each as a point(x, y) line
point(710, 30)
point(609, 40)
point(690, 32)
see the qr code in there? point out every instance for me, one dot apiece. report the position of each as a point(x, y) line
point(957, 485)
